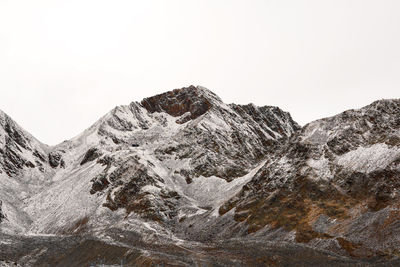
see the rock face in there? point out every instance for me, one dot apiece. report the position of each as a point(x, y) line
point(190, 101)
point(183, 166)
point(2, 216)
point(18, 149)
point(335, 184)
point(91, 155)
point(55, 159)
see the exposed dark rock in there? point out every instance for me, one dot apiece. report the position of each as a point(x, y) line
point(106, 160)
point(130, 178)
point(39, 165)
point(178, 102)
point(13, 162)
point(99, 184)
point(39, 156)
point(91, 155)
point(2, 216)
point(290, 194)
point(18, 144)
point(269, 118)
point(55, 159)
point(317, 189)
point(29, 164)
point(15, 134)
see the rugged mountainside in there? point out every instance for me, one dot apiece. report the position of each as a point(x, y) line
point(335, 184)
point(19, 150)
point(140, 161)
point(199, 177)
point(24, 161)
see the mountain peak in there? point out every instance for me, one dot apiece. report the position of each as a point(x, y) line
point(3, 117)
point(387, 105)
point(19, 150)
point(194, 100)
point(184, 167)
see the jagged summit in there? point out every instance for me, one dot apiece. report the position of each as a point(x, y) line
point(272, 119)
point(192, 122)
point(387, 101)
point(183, 166)
point(2, 114)
point(188, 105)
point(192, 100)
point(343, 131)
point(335, 184)
point(19, 150)
point(145, 156)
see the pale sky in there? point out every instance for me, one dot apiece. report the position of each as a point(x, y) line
point(64, 64)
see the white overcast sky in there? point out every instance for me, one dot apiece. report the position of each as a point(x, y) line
point(64, 64)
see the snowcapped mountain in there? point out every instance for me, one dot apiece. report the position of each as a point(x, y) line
point(148, 158)
point(195, 175)
point(19, 150)
point(334, 185)
point(24, 161)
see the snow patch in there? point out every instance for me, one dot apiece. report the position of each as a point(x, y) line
point(368, 159)
point(321, 168)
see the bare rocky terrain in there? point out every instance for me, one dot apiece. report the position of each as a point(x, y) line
point(183, 179)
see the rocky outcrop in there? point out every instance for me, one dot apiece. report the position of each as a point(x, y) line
point(185, 166)
point(18, 149)
point(92, 154)
point(220, 140)
point(56, 160)
point(125, 188)
point(271, 119)
point(143, 160)
point(178, 102)
point(329, 181)
point(2, 216)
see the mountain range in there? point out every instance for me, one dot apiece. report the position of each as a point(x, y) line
point(183, 179)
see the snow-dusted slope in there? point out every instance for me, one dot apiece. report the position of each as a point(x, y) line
point(19, 151)
point(183, 167)
point(25, 169)
point(147, 159)
point(335, 184)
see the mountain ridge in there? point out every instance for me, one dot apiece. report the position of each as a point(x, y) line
point(185, 168)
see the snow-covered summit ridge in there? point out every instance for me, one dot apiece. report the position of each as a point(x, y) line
point(145, 157)
point(344, 170)
point(180, 110)
point(192, 100)
point(190, 123)
point(10, 127)
point(380, 117)
point(188, 165)
point(18, 149)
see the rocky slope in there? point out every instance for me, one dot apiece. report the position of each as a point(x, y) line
point(25, 165)
point(147, 160)
point(183, 169)
point(335, 184)
point(19, 150)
